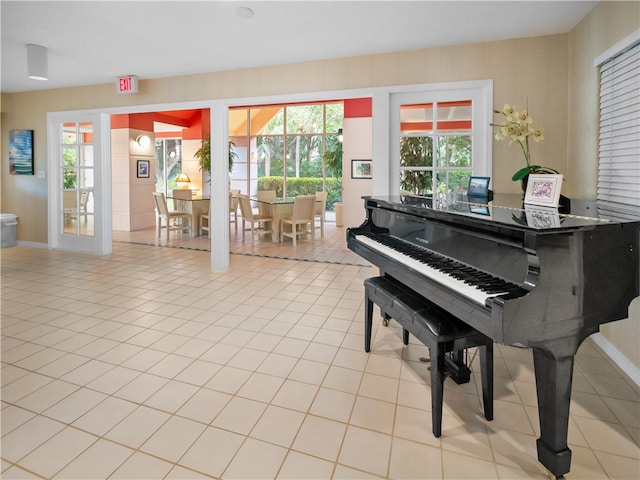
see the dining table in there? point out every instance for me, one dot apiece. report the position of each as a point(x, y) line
point(195, 205)
point(278, 208)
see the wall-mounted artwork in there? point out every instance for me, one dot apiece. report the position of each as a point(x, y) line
point(361, 169)
point(21, 152)
point(143, 168)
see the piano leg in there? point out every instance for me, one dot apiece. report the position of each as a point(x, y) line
point(368, 321)
point(553, 384)
point(486, 373)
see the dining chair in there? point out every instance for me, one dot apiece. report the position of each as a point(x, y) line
point(170, 216)
point(321, 206)
point(178, 195)
point(301, 220)
point(253, 218)
point(233, 208)
point(266, 196)
point(203, 221)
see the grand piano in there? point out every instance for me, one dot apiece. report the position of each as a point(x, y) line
point(525, 276)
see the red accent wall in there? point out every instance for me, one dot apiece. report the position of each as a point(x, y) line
point(139, 121)
point(358, 107)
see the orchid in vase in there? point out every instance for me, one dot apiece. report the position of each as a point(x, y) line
point(518, 128)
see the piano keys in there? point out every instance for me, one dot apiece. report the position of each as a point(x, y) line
point(527, 277)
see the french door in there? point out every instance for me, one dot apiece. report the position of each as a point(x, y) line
point(440, 137)
point(79, 182)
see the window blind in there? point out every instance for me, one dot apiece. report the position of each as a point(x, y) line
point(619, 140)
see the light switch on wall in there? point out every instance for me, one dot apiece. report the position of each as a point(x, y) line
point(41, 174)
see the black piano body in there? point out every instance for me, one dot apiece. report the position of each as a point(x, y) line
point(575, 268)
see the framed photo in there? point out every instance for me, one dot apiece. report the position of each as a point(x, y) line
point(21, 152)
point(143, 168)
point(361, 168)
point(478, 187)
point(543, 190)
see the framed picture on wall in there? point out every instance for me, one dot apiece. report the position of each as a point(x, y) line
point(361, 168)
point(143, 168)
point(21, 152)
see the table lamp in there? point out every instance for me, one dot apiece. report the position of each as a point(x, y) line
point(183, 181)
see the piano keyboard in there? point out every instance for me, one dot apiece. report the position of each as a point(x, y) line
point(474, 284)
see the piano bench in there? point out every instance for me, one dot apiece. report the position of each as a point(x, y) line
point(440, 331)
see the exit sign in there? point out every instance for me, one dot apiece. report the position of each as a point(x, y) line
point(127, 84)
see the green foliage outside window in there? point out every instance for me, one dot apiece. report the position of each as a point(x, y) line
point(304, 186)
point(452, 166)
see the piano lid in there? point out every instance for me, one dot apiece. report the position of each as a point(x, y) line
point(507, 210)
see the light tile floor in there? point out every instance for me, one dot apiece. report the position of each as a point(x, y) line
point(146, 364)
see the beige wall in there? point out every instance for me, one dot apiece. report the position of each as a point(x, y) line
point(535, 68)
point(607, 24)
point(554, 72)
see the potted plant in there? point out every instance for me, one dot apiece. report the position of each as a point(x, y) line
point(518, 128)
point(203, 154)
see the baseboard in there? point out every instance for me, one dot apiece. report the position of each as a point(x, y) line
point(32, 244)
point(618, 357)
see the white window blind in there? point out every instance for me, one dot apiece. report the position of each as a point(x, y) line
point(619, 145)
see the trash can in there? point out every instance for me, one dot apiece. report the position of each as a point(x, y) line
point(8, 222)
point(338, 207)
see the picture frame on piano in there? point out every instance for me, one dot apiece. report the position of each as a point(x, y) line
point(478, 187)
point(543, 190)
point(361, 169)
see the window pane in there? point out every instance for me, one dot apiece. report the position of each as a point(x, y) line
point(86, 132)
point(416, 151)
point(86, 178)
point(69, 133)
point(452, 181)
point(70, 156)
point(416, 181)
point(304, 119)
point(454, 151)
point(86, 156)
point(416, 118)
point(304, 160)
point(270, 154)
point(275, 125)
point(454, 116)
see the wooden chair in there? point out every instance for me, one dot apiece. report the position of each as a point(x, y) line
point(203, 220)
point(321, 206)
point(233, 208)
point(178, 195)
point(170, 217)
point(266, 196)
point(302, 219)
point(253, 218)
point(203, 223)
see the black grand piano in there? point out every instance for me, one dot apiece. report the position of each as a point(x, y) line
point(523, 275)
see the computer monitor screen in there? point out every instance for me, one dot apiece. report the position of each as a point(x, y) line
point(478, 187)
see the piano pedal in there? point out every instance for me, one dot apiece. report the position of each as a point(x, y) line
point(424, 359)
point(456, 368)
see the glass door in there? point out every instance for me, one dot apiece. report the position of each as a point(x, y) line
point(79, 183)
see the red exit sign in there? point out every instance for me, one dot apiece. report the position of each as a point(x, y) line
point(127, 84)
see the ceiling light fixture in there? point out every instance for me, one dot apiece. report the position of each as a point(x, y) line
point(143, 140)
point(244, 12)
point(37, 62)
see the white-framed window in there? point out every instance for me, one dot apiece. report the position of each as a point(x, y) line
point(440, 135)
point(435, 147)
point(619, 137)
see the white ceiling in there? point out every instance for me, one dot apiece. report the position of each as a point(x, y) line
point(93, 42)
